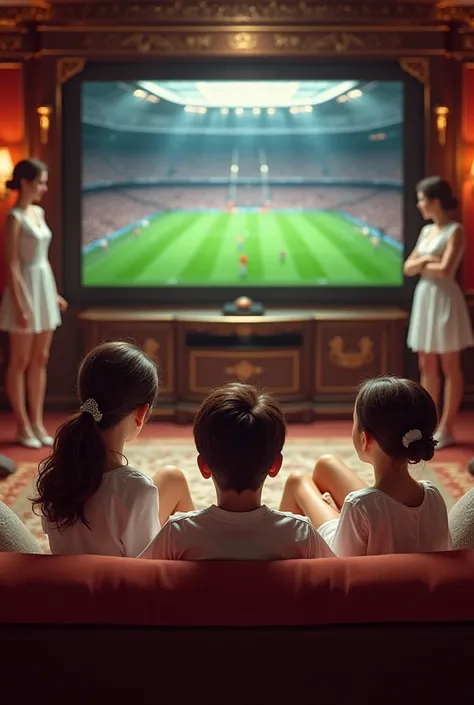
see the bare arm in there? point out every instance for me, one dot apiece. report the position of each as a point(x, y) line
point(415, 264)
point(445, 266)
point(62, 303)
point(13, 271)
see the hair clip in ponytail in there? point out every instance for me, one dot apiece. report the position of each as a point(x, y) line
point(91, 407)
point(412, 436)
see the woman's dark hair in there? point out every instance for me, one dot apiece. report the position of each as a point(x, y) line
point(120, 378)
point(388, 408)
point(240, 432)
point(436, 188)
point(27, 169)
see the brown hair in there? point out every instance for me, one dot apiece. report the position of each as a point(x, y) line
point(120, 378)
point(27, 169)
point(388, 407)
point(437, 189)
point(240, 432)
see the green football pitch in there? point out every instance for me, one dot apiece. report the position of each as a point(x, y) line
point(202, 249)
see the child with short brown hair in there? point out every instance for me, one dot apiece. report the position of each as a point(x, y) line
point(239, 434)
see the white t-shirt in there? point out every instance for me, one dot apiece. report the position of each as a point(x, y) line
point(122, 515)
point(263, 534)
point(372, 523)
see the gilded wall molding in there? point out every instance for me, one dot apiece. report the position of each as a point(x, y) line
point(243, 41)
point(231, 11)
point(11, 43)
point(336, 42)
point(68, 68)
point(376, 12)
point(468, 42)
point(455, 14)
point(147, 42)
point(14, 42)
point(228, 41)
point(416, 67)
point(13, 15)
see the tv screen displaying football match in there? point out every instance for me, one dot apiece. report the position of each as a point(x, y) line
point(220, 183)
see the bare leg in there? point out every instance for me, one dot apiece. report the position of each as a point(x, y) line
point(453, 389)
point(20, 354)
point(173, 492)
point(36, 378)
point(301, 496)
point(429, 374)
point(332, 475)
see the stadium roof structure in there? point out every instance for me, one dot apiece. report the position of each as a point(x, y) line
point(248, 94)
point(131, 105)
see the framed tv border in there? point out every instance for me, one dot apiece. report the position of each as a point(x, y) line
point(265, 69)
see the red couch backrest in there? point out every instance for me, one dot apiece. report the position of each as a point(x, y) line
point(124, 591)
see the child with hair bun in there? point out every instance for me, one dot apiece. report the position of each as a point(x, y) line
point(394, 423)
point(90, 499)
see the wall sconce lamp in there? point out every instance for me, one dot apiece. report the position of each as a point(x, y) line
point(44, 114)
point(441, 112)
point(470, 177)
point(6, 169)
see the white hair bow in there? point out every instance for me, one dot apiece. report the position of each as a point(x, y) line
point(412, 436)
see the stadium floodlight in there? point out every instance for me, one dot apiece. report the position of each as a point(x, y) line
point(342, 99)
point(247, 94)
point(188, 109)
point(239, 111)
point(264, 169)
point(293, 110)
point(271, 111)
point(356, 93)
point(224, 111)
point(308, 109)
point(152, 98)
point(139, 93)
point(234, 168)
point(202, 111)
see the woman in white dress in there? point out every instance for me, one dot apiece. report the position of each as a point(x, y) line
point(30, 306)
point(440, 325)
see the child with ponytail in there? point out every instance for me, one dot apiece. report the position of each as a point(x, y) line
point(394, 423)
point(90, 499)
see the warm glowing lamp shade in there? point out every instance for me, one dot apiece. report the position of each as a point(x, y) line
point(6, 168)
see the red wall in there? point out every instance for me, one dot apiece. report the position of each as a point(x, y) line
point(467, 156)
point(12, 132)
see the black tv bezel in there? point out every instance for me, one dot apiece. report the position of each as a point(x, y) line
point(238, 69)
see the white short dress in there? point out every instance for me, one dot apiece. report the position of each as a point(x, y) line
point(440, 321)
point(37, 279)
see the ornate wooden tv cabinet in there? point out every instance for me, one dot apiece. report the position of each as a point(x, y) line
point(311, 360)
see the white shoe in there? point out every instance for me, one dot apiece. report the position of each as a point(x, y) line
point(27, 441)
point(43, 438)
point(445, 440)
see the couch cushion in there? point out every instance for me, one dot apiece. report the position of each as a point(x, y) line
point(129, 591)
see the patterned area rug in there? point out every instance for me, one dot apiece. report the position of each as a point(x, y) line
point(300, 454)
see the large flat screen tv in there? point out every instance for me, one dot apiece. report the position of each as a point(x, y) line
point(192, 186)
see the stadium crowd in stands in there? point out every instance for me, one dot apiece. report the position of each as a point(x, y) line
point(105, 212)
point(285, 162)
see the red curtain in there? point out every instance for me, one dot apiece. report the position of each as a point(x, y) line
point(468, 180)
point(12, 134)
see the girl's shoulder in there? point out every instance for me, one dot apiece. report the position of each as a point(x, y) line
point(431, 491)
point(454, 226)
point(16, 213)
point(127, 477)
